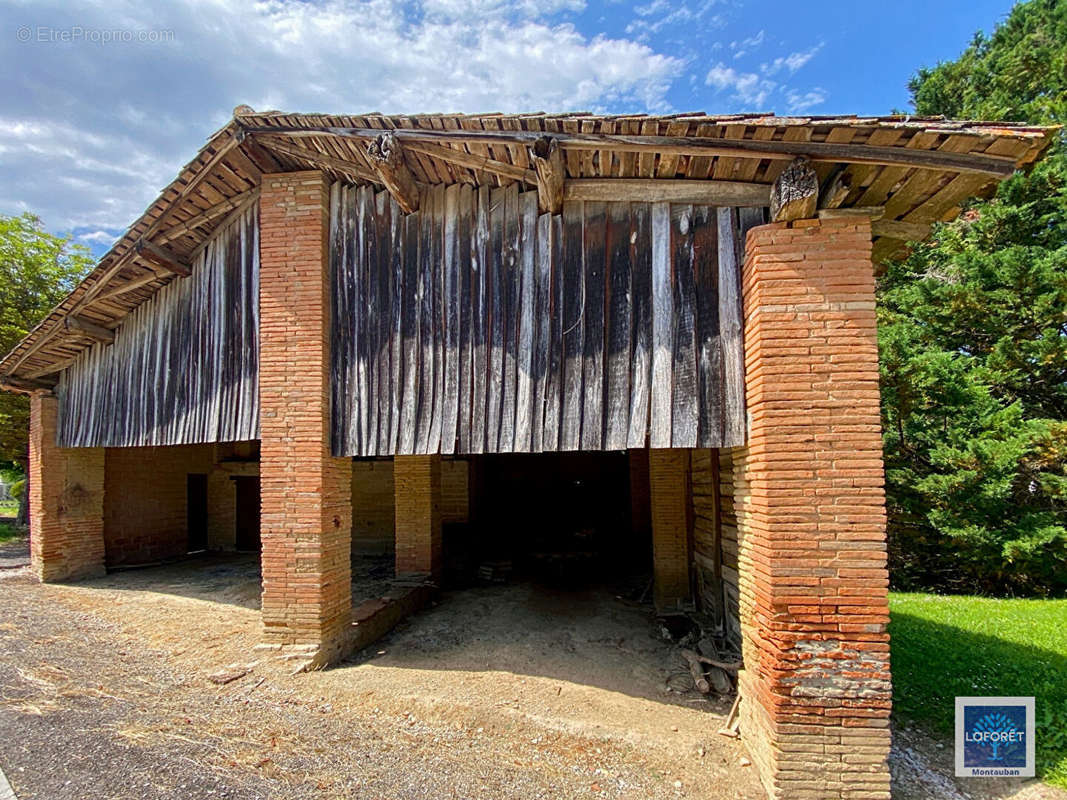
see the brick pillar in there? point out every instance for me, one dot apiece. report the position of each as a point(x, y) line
point(66, 501)
point(811, 516)
point(306, 499)
point(668, 472)
point(417, 485)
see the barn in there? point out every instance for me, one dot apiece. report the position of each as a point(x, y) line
point(496, 340)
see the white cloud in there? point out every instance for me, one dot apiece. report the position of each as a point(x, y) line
point(798, 102)
point(791, 63)
point(654, 17)
point(748, 87)
point(89, 133)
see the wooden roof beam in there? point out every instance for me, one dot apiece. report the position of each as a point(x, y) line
point(387, 159)
point(164, 258)
point(90, 329)
point(738, 194)
point(217, 210)
point(547, 158)
point(321, 159)
point(833, 152)
point(473, 161)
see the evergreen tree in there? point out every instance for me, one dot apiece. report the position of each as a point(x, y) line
point(974, 342)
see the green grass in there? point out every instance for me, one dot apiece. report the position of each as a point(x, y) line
point(946, 646)
point(9, 508)
point(8, 531)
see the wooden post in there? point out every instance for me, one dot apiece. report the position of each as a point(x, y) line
point(547, 158)
point(387, 158)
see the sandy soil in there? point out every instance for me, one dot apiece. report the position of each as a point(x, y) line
point(502, 692)
point(496, 692)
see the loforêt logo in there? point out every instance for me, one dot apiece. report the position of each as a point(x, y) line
point(995, 736)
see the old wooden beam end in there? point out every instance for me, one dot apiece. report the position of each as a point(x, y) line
point(547, 158)
point(387, 157)
point(164, 258)
point(795, 193)
point(90, 329)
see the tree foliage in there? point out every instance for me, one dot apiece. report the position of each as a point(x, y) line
point(973, 334)
point(37, 270)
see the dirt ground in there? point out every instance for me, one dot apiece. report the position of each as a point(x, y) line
point(496, 692)
point(501, 692)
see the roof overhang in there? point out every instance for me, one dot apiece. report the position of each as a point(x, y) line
point(906, 173)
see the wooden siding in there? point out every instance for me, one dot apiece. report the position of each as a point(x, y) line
point(184, 366)
point(477, 325)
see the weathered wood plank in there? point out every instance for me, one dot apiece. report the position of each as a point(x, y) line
point(481, 264)
point(511, 279)
point(409, 403)
point(527, 317)
point(618, 306)
point(641, 324)
point(683, 361)
point(708, 341)
point(550, 437)
point(452, 301)
point(594, 264)
point(730, 328)
point(573, 333)
point(436, 222)
point(497, 297)
point(464, 238)
point(662, 327)
point(183, 367)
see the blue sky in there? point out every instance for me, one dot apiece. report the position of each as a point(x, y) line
point(106, 100)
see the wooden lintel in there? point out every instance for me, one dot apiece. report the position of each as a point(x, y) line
point(839, 152)
point(162, 257)
point(137, 283)
point(387, 159)
point(795, 192)
point(547, 158)
point(90, 329)
point(737, 194)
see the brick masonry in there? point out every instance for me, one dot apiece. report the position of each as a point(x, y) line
point(66, 501)
point(810, 512)
point(306, 518)
point(668, 472)
point(417, 481)
point(147, 519)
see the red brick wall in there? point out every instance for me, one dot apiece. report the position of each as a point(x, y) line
point(811, 515)
point(670, 501)
point(306, 493)
point(66, 501)
point(418, 514)
point(145, 500)
point(374, 501)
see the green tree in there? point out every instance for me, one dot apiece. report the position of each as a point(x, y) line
point(974, 342)
point(37, 270)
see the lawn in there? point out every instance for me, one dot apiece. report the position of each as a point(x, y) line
point(945, 646)
point(8, 531)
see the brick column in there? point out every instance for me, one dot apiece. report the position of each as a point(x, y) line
point(811, 516)
point(66, 501)
point(306, 523)
point(417, 485)
point(668, 473)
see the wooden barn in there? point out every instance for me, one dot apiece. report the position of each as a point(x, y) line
point(628, 342)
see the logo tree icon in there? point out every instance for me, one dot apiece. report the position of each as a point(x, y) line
point(995, 723)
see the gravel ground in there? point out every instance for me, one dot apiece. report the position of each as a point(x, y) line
point(501, 692)
point(104, 693)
